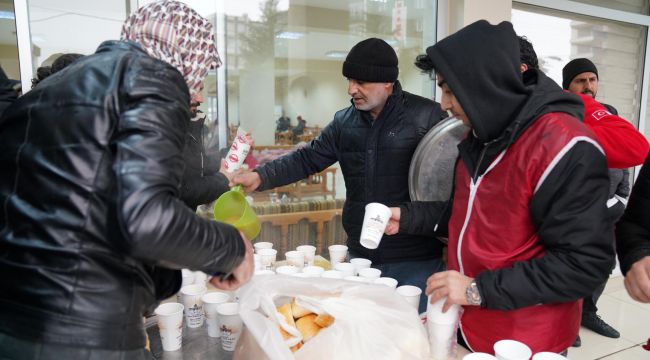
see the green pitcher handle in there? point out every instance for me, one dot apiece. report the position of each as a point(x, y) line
point(237, 188)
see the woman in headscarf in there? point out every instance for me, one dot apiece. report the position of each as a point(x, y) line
point(90, 223)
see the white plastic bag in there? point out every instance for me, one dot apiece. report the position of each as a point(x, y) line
point(371, 321)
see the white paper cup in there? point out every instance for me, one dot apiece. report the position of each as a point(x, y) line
point(479, 356)
point(360, 263)
point(200, 278)
point(310, 253)
point(313, 271)
point(210, 302)
point(547, 356)
point(295, 258)
point(411, 294)
point(332, 274)
point(370, 273)
point(356, 279)
point(262, 245)
point(346, 268)
point(374, 223)
point(257, 260)
point(512, 350)
point(188, 277)
point(267, 257)
point(287, 270)
point(338, 253)
point(441, 340)
point(231, 325)
point(191, 299)
point(388, 281)
point(170, 323)
point(435, 314)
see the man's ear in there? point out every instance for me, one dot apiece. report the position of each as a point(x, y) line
point(523, 68)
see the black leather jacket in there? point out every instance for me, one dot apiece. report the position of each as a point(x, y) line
point(90, 222)
point(375, 157)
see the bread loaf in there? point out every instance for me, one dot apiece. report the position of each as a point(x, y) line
point(287, 313)
point(324, 320)
point(307, 327)
point(298, 311)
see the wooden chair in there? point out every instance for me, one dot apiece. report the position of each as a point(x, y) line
point(287, 240)
point(316, 185)
point(284, 138)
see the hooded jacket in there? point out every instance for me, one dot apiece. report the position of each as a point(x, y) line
point(566, 207)
point(90, 221)
point(375, 157)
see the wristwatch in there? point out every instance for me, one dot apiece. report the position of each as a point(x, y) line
point(472, 295)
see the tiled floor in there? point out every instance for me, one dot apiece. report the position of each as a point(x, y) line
point(630, 318)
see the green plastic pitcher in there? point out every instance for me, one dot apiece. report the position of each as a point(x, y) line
point(232, 208)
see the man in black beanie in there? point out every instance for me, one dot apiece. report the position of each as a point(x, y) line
point(373, 140)
point(527, 229)
point(580, 76)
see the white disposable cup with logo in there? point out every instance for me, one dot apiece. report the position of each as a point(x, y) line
point(374, 224)
point(310, 253)
point(411, 294)
point(346, 268)
point(191, 299)
point(286, 270)
point(332, 274)
point(479, 356)
point(313, 271)
point(262, 245)
point(170, 324)
point(441, 328)
point(388, 281)
point(211, 301)
point(545, 355)
point(267, 258)
point(231, 325)
point(338, 253)
point(512, 350)
point(360, 263)
point(370, 273)
point(238, 152)
point(200, 278)
point(295, 258)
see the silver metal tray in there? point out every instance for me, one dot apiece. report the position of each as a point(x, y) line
point(432, 167)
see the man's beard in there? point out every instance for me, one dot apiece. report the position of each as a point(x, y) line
point(590, 93)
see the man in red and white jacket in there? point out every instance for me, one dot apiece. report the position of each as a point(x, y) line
point(527, 228)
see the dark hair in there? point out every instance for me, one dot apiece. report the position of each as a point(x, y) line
point(424, 63)
point(527, 53)
point(59, 64)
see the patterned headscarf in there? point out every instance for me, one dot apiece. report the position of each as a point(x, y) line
point(173, 32)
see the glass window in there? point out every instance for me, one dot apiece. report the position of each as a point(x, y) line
point(634, 6)
point(72, 26)
point(8, 41)
point(617, 49)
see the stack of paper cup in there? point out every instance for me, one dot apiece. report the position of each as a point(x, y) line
point(360, 263)
point(231, 325)
point(170, 323)
point(338, 253)
point(310, 253)
point(512, 350)
point(238, 151)
point(210, 303)
point(411, 294)
point(442, 329)
point(191, 298)
point(374, 224)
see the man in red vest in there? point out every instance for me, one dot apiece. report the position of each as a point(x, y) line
point(527, 229)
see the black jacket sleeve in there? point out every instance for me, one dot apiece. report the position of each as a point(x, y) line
point(569, 211)
point(158, 227)
point(199, 190)
point(633, 230)
point(428, 218)
point(318, 155)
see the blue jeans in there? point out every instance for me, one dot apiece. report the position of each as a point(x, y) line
point(413, 273)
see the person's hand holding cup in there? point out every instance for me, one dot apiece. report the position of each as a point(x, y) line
point(242, 273)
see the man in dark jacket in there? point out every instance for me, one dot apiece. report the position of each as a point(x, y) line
point(633, 238)
point(526, 226)
point(8, 91)
point(373, 140)
point(90, 224)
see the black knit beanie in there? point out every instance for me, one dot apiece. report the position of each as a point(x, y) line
point(574, 68)
point(371, 60)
